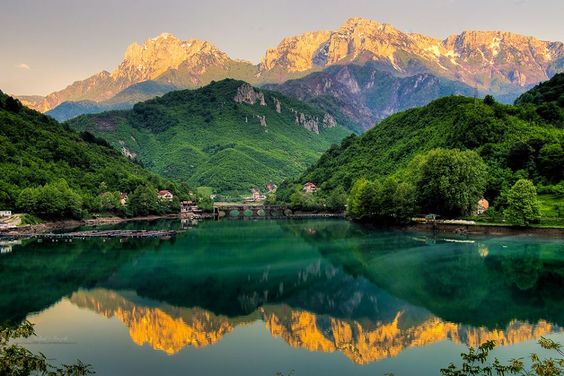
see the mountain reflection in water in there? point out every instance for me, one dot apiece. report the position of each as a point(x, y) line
point(170, 329)
point(320, 285)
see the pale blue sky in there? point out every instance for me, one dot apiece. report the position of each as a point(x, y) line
point(47, 44)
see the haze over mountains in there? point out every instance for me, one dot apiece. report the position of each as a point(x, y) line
point(502, 63)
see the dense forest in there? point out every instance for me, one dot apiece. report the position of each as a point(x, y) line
point(207, 138)
point(445, 156)
point(51, 171)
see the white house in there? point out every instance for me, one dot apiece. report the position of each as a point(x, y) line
point(5, 213)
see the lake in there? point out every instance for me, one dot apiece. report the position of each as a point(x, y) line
point(303, 297)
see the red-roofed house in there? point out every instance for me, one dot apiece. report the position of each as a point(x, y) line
point(165, 194)
point(483, 205)
point(309, 187)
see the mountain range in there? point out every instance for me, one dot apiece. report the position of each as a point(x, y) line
point(500, 63)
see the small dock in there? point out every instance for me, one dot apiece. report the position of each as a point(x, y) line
point(161, 234)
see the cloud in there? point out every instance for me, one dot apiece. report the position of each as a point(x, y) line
point(23, 66)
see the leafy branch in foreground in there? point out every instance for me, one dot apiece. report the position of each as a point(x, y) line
point(475, 362)
point(19, 361)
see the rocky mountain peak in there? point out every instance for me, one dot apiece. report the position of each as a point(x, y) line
point(164, 52)
point(296, 53)
point(363, 25)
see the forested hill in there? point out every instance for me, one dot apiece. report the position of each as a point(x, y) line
point(38, 152)
point(521, 141)
point(227, 135)
point(548, 99)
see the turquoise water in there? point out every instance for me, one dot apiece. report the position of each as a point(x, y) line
point(260, 297)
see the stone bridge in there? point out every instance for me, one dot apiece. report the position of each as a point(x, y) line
point(251, 211)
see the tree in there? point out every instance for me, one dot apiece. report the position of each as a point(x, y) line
point(108, 201)
point(362, 200)
point(522, 204)
point(551, 161)
point(17, 360)
point(55, 200)
point(144, 201)
point(489, 100)
point(451, 181)
point(400, 201)
point(337, 199)
point(477, 362)
point(13, 105)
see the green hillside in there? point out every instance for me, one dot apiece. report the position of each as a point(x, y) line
point(207, 138)
point(40, 156)
point(548, 99)
point(515, 142)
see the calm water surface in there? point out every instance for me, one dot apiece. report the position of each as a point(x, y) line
point(260, 297)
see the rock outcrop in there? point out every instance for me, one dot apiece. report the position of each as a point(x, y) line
point(309, 122)
point(277, 104)
point(247, 94)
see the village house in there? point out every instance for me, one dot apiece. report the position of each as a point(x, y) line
point(5, 213)
point(165, 195)
point(256, 196)
point(483, 205)
point(309, 187)
point(189, 207)
point(271, 187)
point(123, 198)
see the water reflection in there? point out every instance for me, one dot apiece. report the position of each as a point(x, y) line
point(170, 329)
point(320, 285)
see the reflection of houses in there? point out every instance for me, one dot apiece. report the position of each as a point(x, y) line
point(5, 225)
point(271, 187)
point(166, 195)
point(309, 187)
point(123, 198)
point(6, 246)
point(483, 205)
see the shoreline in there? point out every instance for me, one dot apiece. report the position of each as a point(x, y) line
point(42, 228)
point(483, 229)
point(434, 228)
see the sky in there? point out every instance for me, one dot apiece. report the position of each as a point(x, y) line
point(46, 45)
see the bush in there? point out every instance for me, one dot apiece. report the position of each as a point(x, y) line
point(451, 182)
point(522, 205)
point(54, 201)
point(17, 360)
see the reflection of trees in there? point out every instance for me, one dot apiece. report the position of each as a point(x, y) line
point(518, 278)
point(37, 274)
point(333, 268)
point(523, 266)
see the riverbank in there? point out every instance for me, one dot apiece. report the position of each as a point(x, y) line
point(483, 229)
point(47, 227)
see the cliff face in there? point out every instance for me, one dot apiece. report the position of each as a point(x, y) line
point(366, 94)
